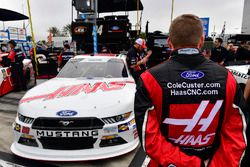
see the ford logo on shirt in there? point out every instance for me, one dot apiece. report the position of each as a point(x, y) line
point(66, 113)
point(192, 75)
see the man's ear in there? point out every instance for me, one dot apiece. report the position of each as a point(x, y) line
point(170, 45)
point(201, 43)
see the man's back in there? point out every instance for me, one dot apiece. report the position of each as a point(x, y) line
point(190, 111)
point(191, 89)
point(192, 97)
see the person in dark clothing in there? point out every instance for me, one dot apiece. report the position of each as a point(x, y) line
point(242, 52)
point(190, 111)
point(219, 53)
point(231, 53)
point(33, 61)
point(105, 49)
point(64, 57)
point(16, 58)
point(136, 62)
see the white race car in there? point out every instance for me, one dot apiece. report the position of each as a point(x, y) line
point(240, 71)
point(85, 113)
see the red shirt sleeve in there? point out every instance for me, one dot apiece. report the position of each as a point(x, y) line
point(60, 58)
point(11, 56)
point(233, 132)
point(31, 52)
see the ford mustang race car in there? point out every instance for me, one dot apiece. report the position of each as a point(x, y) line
point(6, 81)
point(241, 72)
point(85, 113)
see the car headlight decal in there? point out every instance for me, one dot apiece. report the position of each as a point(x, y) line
point(117, 118)
point(25, 119)
point(112, 140)
point(28, 140)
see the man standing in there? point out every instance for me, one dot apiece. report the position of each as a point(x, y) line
point(231, 53)
point(189, 110)
point(135, 61)
point(247, 90)
point(219, 53)
point(64, 57)
point(33, 60)
point(242, 52)
point(16, 58)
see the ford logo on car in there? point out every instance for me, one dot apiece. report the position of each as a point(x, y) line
point(115, 28)
point(66, 113)
point(192, 75)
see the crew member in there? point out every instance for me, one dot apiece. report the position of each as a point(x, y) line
point(243, 52)
point(219, 53)
point(33, 61)
point(135, 61)
point(1, 61)
point(1, 58)
point(190, 111)
point(64, 57)
point(247, 92)
point(16, 58)
point(246, 160)
point(105, 50)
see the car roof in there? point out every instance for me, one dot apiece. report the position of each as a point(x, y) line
point(100, 56)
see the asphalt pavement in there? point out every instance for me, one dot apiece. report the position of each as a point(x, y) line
point(8, 109)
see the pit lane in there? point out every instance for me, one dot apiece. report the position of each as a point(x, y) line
point(8, 109)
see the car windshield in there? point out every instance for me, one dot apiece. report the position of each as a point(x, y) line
point(160, 42)
point(94, 68)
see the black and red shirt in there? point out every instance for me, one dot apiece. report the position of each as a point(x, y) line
point(219, 54)
point(189, 110)
point(65, 56)
point(133, 57)
point(16, 56)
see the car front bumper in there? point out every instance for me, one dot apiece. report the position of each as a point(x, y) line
point(102, 148)
point(72, 155)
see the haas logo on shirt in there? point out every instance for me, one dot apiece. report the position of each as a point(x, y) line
point(193, 124)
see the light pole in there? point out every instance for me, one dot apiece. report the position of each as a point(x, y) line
point(32, 34)
point(95, 42)
point(172, 11)
point(137, 27)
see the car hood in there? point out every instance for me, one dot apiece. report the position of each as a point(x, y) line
point(89, 98)
point(240, 73)
point(240, 68)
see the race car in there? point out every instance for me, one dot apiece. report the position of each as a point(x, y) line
point(241, 72)
point(85, 113)
point(6, 81)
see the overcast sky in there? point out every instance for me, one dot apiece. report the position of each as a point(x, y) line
point(47, 13)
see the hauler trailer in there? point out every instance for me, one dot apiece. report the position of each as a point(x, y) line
point(157, 42)
point(113, 32)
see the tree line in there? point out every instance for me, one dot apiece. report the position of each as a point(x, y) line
point(57, 32)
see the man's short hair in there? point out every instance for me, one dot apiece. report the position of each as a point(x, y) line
point(220, 40)
point(243, 42)
point(12, 42)
point(66, 46)
point(186, 30)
